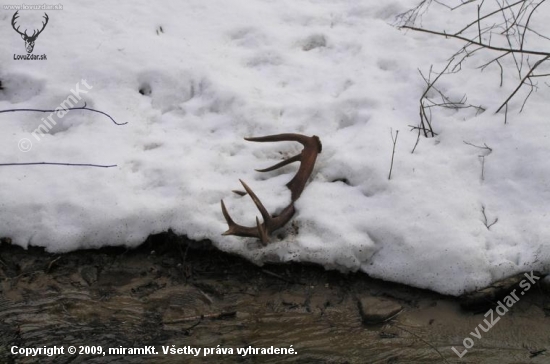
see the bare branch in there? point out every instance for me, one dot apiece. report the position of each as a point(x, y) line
point(527, 23)
point(481, 156)
point(513, 28)
point(485, 221)
point(538, 63)
point(469, 41)
point(394, 140)
point(487, 16)
point(455, 7)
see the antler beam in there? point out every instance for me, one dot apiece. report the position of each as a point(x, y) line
point(307, 157)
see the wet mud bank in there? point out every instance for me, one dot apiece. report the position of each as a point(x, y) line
point(174, 293)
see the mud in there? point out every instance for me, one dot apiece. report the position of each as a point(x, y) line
point(171, 291)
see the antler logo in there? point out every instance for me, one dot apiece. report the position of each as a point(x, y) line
point(29, 39)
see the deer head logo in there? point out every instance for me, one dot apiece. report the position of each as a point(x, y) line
point(29, 39)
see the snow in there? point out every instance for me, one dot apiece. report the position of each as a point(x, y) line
point(223, 70)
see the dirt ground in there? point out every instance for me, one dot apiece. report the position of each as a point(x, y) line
point(171, 293)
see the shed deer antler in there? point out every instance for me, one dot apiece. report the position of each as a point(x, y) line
point(307, 157)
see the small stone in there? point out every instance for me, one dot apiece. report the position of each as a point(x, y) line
point(376, 310)
point(314, 41)
point(318, 301)
point(483, 299)
point(89, 275)
point(5, 240)
point(291, 299)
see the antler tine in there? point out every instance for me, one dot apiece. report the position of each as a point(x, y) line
point(296, 158)
point(261, 231)
point(285, 137)
point(228, 218)
point(257, 201)
point(236, 229)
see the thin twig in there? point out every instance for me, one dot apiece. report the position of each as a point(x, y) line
point(485, 146)
point(482, 167)
point(479, 22)
point(393, 151)
point(455, 7)
point(68, 109)
point(417, 139)
point(48, 269)
point(58, 164)
point(487, 16)
point(485, 220)
point(423, 340)
point(482, 157)
point(212, 316)
point(522, 81)
point(470, 41)
point(278, 276)
point(527, 23)
point(187, 330)
point(423, 116)
point(483, 66)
